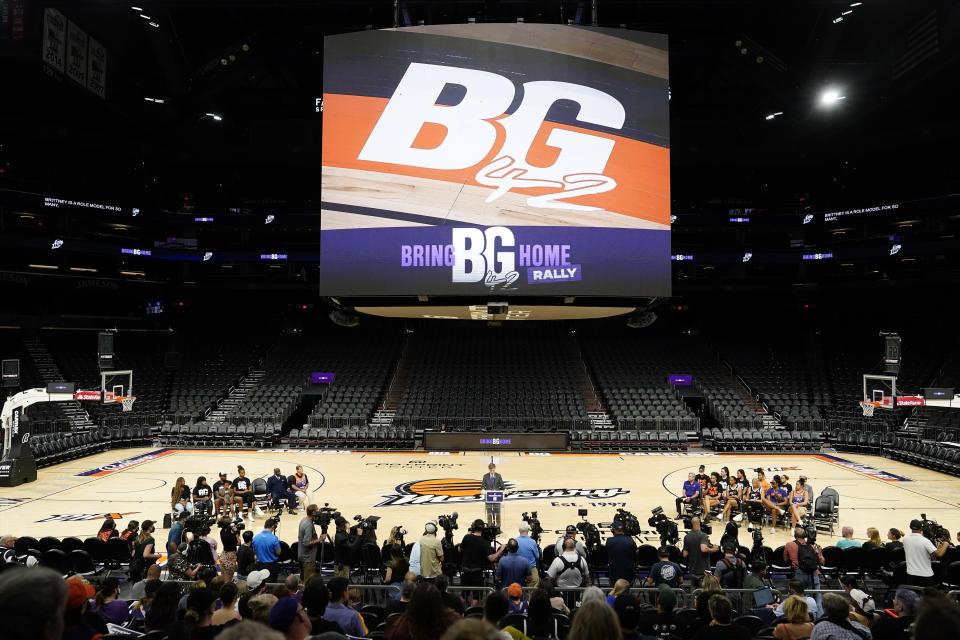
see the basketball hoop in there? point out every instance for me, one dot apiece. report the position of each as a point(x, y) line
point(868, 407)
point(127, 402)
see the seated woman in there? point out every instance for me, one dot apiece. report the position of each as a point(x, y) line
point(797, 624)
point(799, 505)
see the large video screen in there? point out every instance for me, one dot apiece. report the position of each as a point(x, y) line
point(507, 159)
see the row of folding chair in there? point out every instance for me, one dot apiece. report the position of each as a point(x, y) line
point(629, 440)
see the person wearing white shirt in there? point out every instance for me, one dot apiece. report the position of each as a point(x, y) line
point(573, 572)
point(415, 558)
point(919, 553)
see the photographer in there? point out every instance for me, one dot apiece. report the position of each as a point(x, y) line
point(345, 546)
point(431, 553)
point(569, 569)
point(621, 554)
point(179, 567)
point(919, 552)
point(230, 539)
point(571, 533)
point(308, 540)
point(246, 558)
point(266, 546)
point(475, 556)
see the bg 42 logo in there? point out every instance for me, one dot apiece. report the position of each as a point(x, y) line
point(471, 133)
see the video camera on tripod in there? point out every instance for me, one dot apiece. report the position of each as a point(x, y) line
point(628, 522)
point(667, 528)
point(448, 523)
point(935, 533)
point(535, 529)
point(590, 531)
point(325, 516)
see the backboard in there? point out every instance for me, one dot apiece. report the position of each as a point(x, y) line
point(114, 384)
point(880, 388)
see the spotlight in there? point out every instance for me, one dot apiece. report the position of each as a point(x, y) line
point(270, 218)
point(830, 97)
point(245, 47)
point(895, 249)
point(207, 256)
point(773, 115)
point(215, 117)
point(747, 257)
point(343, 319)
point(57, 244)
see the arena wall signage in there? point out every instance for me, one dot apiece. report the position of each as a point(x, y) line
point(519, 159)
point(460, 490)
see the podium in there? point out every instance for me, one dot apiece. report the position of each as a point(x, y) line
point(493, 500)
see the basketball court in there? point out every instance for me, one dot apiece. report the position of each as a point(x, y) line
point(411, 488)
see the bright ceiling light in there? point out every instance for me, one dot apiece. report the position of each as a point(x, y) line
point(43, 266)
point(215, 116)
point(847, 12)
point(773, 115)
point(157, 100)
point(856, 4)
point(836, 20)
point(154, 25)
point(145, 16)
point(830, 97)
point(137, 9)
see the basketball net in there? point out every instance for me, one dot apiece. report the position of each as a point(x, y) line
point(868, 408)
point(127, 402)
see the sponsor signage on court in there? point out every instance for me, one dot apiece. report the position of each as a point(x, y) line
point(126, 463)
point(465, 490)
point(863, 469)
point(469, 159)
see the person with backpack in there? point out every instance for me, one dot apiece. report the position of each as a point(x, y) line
point(569, 569)
point(805, 558)
point(730, 570)
point(664, 571)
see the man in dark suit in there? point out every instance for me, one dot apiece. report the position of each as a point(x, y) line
point(279, 489)
point(492, 480)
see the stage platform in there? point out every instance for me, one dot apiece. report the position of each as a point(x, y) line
point(411, 488)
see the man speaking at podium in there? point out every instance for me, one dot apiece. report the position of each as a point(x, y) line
point(492, 481)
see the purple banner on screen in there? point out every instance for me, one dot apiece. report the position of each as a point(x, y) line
point(459, 259)
point(317, 377)
point(680, 379)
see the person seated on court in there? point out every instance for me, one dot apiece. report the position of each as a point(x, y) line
point(226, 499)
point(762, 479)
point(278, 486)
point(180, 497)
point(735, 495)
point(202, 497)
point(690, 495)
point(753, 499)
point(797, 624)
point(799, 505)
point(179, 567)
point(847, 541)
point(129, 535)
point(664, 571)
point(873, 540)
point(300, 485)
point(662, 623)
point(775, 501)
point(893, 537)
point(701, 476)
point(243, 489)
point(797, 588)
point(108, 530)
point(712, 495)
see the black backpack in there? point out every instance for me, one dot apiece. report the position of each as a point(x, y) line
point(807, 558)
point(733, 577)
point(569, 566)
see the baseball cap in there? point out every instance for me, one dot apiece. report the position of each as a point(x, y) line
point(78, 592)
point(515, 590)
point(284, 612)
point(663, 551)
point(916, 525)
point(666, 597)
point(430, 527)
point(256, 578)
point(571, 528)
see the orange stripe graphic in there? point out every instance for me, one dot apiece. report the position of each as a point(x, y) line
point(642, 170)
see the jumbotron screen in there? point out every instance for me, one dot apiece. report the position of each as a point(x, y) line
point(508, 159)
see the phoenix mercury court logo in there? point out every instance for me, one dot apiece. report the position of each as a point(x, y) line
point(461, 490)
